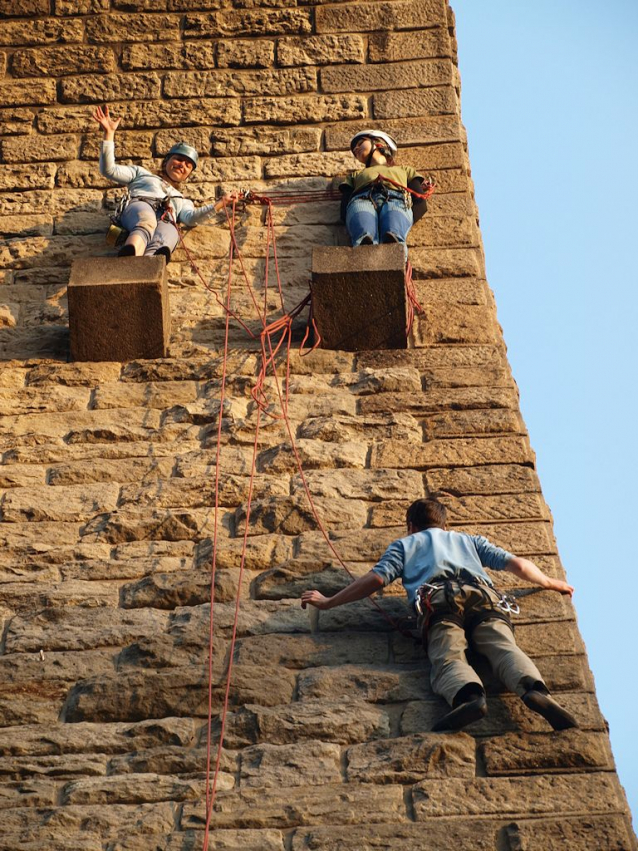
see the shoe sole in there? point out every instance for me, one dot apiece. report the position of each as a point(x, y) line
point(552, 712)
point(464, 714)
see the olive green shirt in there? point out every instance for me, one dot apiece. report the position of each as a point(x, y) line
point(402, 174)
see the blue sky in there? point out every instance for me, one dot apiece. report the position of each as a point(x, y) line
point(549, 100)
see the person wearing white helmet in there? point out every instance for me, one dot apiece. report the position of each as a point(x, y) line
point(150, 231)
point(374, 203)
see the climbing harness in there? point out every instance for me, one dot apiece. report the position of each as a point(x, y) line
point(429, 614)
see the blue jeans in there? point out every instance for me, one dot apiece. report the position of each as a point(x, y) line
point(379, 215)
point(140, 218)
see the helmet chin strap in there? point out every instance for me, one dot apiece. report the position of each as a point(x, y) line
point(381, 148)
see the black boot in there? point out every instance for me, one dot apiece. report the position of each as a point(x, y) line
point(468, 705)
point(126, 251)
point(164, 252)
point(538, 700)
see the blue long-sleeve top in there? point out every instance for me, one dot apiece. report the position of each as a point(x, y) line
point(437, 554)
point(142, 183)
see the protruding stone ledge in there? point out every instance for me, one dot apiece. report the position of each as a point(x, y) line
point(358, 297)
point(118, 309)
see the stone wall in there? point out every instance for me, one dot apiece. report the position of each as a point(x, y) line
point(107, 475)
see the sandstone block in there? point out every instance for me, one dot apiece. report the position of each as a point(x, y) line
point(314, 454)
point(294, 515)
point(149, 57)
point(320, 50)
point(370, 683)
point(42, 31)
point(250, 22)
point(118, 309)
point(229, 83)
point(23, 8)
point(112, 28)
point(67, 628)
point(574, 750)
point(465, 452)
point(382, 426)
point(595, 793)
point(411, 758)
point(39, 149)
point(246, 53)
point(130, 789)
point(302, 805)
point(314, 650)
point(264, 140)
point(228, 840)
point(472, 424)
point(397, 46)
point(19, 177)
point(440, 835)
point(394, 75)
point(375, 485)
point(268, 766)
point(92, 89)
point(439, 100)
point(36, 92)
point(452, 263)
point(609, 833)
point(71, 504)
point(359, 297)
point(433, 401)
point(365, 17)
point(95, 738)
point(309, 110)
point(60, 61)
point(493, 479)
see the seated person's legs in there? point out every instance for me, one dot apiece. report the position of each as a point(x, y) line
point(395, 219)
point(362, 222)
point(140, 220)
point(164, 240)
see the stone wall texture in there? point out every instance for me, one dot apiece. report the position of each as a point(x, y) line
point(108, 470)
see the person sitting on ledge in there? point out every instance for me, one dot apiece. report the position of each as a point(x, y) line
point(374, 208)
point(444, 577)
point(150, 230)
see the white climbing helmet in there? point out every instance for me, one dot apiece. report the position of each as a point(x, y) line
point(375, 134)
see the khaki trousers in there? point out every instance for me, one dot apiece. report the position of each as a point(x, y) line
point(493, 638)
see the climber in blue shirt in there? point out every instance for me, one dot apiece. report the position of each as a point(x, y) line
point(444, 577)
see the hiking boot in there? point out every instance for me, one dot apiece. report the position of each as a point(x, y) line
point(126, 251)
point(464, 713)
point(164, 252)
point(541, 703)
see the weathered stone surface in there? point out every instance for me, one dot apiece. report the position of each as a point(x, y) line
point(113, 28)
point(268, 766)
point(59, 61)
point(311, 109)
point(293, 515)
point(70, 629)
point(240, 53)
point(550, 795)
point(372, 684)
point(573, 750)
point(441, 835)
point(254, 809)
point(70, 503)
point(394, 75)
point(395, 46)
point(227, 840)
point(221, 83)
point(412, 758)
point(250, 22)
point(505, 478)
point(609, 833)
point(314, 650)
point(365, 17)
point(314, 454)
point(435, 101)
point(320, 50)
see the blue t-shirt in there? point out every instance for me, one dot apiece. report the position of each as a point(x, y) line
point(437, 554)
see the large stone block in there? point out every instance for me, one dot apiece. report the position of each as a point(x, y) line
point(359, 298)
point(118, 309)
